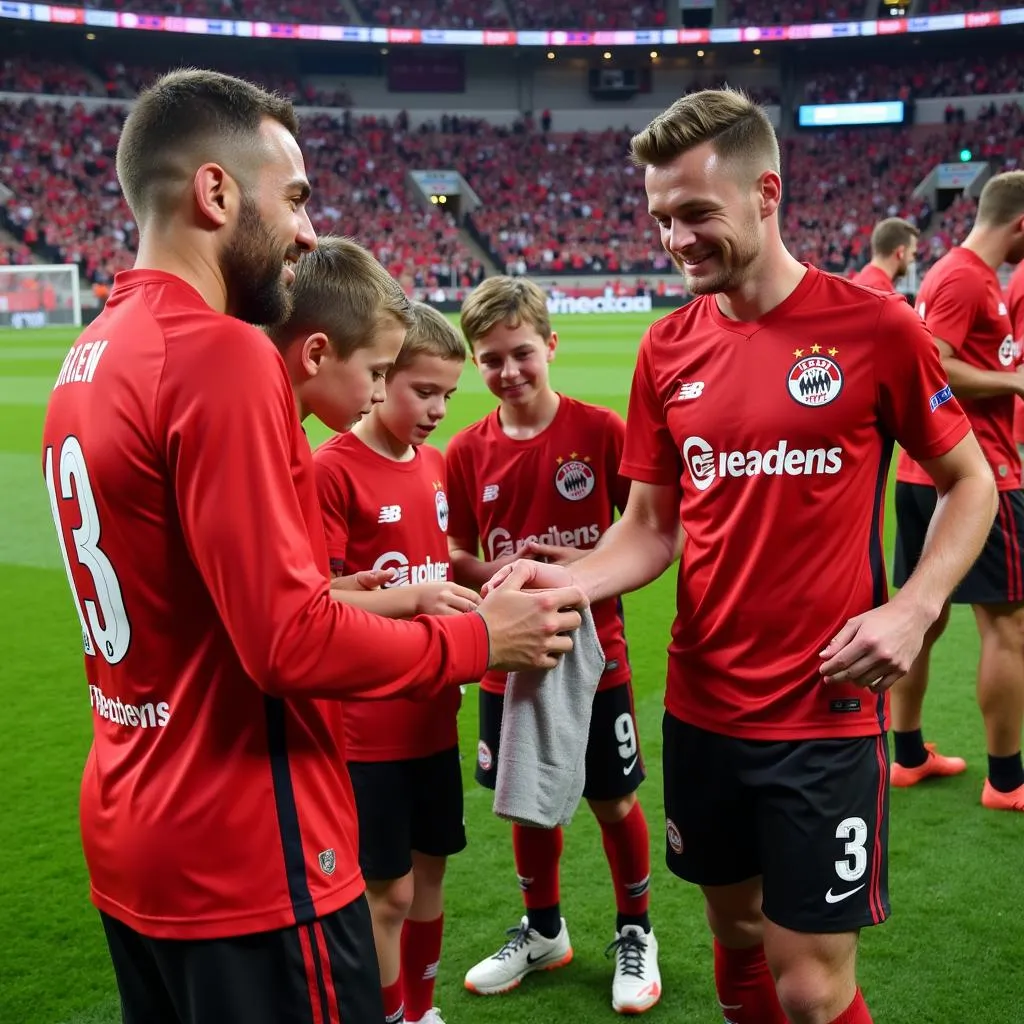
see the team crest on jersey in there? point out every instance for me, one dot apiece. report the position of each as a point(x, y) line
point(441, 506)
point(675, 840)
point(574, 478)
point(814, 379)
point(328, 861)
point(484, 758)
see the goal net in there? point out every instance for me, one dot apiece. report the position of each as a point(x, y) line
point(40, 295)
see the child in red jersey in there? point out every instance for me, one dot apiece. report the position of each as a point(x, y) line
point(539, 476)
point(382, 493)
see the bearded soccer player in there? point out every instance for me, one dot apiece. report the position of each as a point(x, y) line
point(217, 816)
point(893, 250)
point(1015, 307)
point(962, 303)
point(762, 418)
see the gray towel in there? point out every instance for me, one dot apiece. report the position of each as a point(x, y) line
point(544, 730)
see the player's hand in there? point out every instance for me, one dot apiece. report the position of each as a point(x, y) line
point(877, 648)
point(527, 630)
point(555, 553)
point(444, 599)
point(534, 576)
point(369, 579)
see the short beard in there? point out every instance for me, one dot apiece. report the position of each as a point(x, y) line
point(736, 260)
point(251, 265)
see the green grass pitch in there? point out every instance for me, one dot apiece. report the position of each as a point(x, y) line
point(952, 952)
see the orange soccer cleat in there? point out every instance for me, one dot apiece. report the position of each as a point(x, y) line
point(935, 765)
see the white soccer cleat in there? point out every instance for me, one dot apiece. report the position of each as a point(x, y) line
point(432, 1016)
point(636, 986)
point(525, 952)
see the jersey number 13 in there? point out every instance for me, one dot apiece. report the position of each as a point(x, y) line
point(105, 626)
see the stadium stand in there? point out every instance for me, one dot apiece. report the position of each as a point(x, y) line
point(789, 12)
point(963, 6)
point(967, 75)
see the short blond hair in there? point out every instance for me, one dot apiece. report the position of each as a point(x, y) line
point(737, 128)
point(511, 301)
point(890, 234)
point(342, 291)
point(1002, 199)
point(431, 334)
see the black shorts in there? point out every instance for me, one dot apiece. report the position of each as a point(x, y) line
point(316, 973)
point(405, 806)
point(614, 764)
point(811, 817)
point(997, 577)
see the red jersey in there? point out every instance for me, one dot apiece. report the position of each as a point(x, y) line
point(215, 800)
point(962, 303)
point(1015, 307)
point(874, 277)
point(383, 514)
point(779, 434)
point(560, 487)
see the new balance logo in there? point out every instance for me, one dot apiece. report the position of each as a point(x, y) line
point(690, 390)
point(390, 514)
point(490, 492)
point(637, 889)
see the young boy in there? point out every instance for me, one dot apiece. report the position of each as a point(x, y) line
point(539, 476)
point(382, 494)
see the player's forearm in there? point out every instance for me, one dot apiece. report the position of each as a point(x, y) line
point(972, 382)
point(959, 527)
point(393, 603)
point(630, 555)
point(332, 649)
point(469, 571)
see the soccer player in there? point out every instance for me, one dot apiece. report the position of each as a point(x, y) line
point(893, 250)
point(382, 493)
point(217, 816)
point(962, 303)
point(1015, 307)
point(539, 476)
point(762, 417)
point(346, 326)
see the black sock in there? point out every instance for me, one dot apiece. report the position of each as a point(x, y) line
point(1006, 773)
point(640, 920)
point(545, 920)
point(910, 751)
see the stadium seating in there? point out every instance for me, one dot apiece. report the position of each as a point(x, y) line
point(789, 12)
point(962, 6)
point(957, 77)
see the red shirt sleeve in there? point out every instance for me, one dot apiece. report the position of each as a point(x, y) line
point(237, 457)
point(917, 405)
point(332, 489)
point(649, 453)
point(463, 527)
point(615, 432)
point(1015, 303)
point(952, 307)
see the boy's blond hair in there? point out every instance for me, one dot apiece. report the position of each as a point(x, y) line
point(342, 291)
point(431, 334)
point(511, 301)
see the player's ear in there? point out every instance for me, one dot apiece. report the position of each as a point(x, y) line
point(314, 350)
point(770, 193)
point(551, 345)
point(215, 191)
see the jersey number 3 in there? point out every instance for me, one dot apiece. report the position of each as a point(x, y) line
point(104, 620)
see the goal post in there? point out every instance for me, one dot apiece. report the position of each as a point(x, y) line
point(40, 295)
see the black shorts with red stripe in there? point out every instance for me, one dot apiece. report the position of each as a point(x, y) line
point(997, 577)
point(809, 817)
point(322, 972)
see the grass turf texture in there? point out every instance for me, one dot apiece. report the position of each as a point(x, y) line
point(950, 953)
